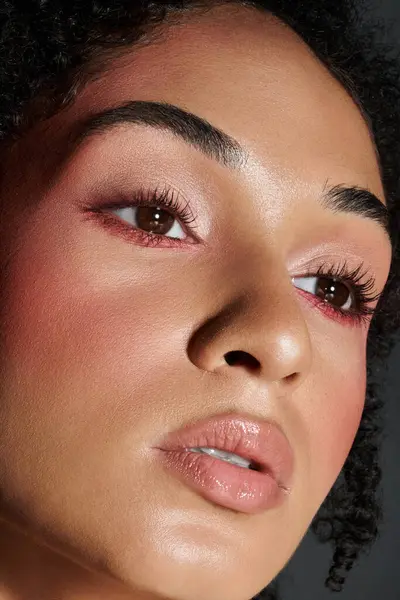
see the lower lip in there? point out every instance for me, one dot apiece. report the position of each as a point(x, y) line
point(237, 488)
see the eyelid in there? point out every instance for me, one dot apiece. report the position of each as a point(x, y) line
point(336, 260)
point(360, 282)
point(166, 197)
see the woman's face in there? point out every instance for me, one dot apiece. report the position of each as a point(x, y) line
point(114, 338)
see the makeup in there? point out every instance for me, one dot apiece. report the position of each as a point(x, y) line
point(261, 447)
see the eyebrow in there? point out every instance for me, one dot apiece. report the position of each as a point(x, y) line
point(194, 130)
point(359, 201)
point(224, 149)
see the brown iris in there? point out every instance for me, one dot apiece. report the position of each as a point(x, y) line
point(154, 219)
point(333, 291)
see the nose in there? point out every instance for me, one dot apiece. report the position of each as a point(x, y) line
point(260, 329)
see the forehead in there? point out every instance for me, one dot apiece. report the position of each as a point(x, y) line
point(250, 75)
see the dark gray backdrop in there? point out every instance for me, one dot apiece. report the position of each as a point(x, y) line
point(377, 575)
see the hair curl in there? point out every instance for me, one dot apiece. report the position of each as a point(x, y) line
point(49, 48)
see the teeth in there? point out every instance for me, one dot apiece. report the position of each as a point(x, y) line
point(229, 457)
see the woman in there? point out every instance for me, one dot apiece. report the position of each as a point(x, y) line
point(199, 206)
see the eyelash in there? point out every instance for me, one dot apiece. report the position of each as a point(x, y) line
point(361, 288)
point(167, 199)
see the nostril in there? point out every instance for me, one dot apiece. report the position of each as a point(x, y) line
point(239, 358)
point(292, 377)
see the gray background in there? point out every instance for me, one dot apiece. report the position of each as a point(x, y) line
point(377, 575)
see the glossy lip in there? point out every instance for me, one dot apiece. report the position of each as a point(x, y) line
point(243, 490)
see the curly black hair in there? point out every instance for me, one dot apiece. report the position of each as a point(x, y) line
point(50, 48)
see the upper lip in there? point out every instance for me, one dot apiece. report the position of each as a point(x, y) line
point(258, 441)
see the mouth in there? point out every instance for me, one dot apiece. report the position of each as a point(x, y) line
point(229, 457)
point(242, 465)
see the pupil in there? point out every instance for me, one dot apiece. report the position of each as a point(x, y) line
point(154, 219)
point(332, 291)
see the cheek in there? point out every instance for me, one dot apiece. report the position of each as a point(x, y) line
point(71, 335)
point(334, 424)
point(67, 308)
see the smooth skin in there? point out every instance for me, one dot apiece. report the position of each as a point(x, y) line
point(108, 344)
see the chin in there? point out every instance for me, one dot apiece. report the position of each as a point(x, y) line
point(180, 568)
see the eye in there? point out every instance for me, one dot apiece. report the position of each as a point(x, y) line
point(151, 219)
point(329, 289)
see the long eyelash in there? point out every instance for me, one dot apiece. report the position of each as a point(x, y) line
point(166, 198)
point(362, 287)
